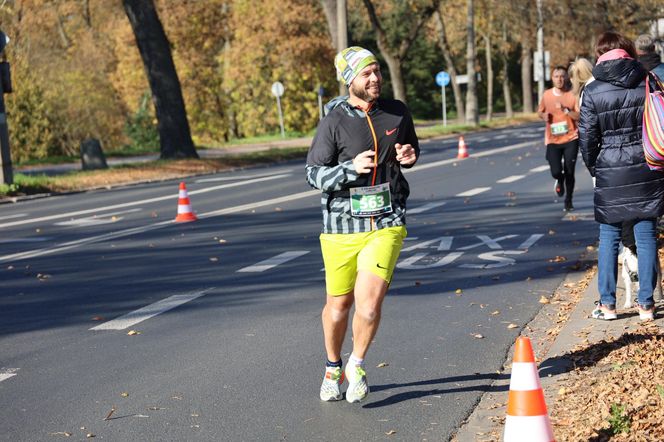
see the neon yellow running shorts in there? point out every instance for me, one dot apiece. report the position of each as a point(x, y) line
point(344, 254)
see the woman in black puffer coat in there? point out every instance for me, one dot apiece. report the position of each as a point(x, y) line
point(625, 188)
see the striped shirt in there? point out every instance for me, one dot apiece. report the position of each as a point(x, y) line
point(341, 136)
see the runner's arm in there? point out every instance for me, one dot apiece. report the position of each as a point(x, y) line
point(332, 178)
point(410, 137)
point(323, 171)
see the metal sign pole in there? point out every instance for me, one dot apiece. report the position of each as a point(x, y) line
point(6, 169)
point(444, 108)
point(281, 118)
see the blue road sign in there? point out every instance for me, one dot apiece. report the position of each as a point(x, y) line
point(442, 78)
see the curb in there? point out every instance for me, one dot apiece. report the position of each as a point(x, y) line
point(486, 422)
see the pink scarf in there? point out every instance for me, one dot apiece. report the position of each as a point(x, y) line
point(613, 54)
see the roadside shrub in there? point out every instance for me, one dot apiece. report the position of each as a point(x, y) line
point(30, 119)
point(140, 127)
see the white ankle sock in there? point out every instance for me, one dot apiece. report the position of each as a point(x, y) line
point(354, 360)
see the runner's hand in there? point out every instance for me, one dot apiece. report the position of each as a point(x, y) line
point(363, 162)
point(405, 154)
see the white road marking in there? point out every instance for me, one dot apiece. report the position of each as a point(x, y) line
point(138, 203)
point(489, 242)
point(539, 168)
point(510, 179)
point(234, 178)
point(499, 261)
point(107, 218)
point(16, 240)
point(142, 229)
point(473, 192)
point(6, 373)
point(18, 215)
point(273, 262)
point(136, 230)
point(444, 243)
point(425, 207)
point(149, 311)
point(530, 241)
point(579, 216)
point(485, 153)
point(411, 263)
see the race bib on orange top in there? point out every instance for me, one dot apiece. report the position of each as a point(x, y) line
point(560, 128)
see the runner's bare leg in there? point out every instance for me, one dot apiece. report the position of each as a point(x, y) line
point(335, 322)
point(370, 291)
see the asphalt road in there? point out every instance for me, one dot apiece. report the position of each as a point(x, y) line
point(226, 310)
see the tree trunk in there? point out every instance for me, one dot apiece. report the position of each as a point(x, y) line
point(86, 13)
point(330, 10)
point(472, 111)
point(395, 56)
point(526, 76)
point(174, 133)
point(507, 93)
point(489, 74)
point(342, 36)
point(449, 64)
point(396, 75)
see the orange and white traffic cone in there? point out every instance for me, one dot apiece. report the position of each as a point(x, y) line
point(463, 151)
point(527, 418)
point(185, 213)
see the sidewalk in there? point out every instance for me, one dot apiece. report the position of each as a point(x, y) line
point(215, 152)
point(486, 422)
point(56, 169)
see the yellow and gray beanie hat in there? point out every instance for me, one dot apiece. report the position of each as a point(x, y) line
point(351, 61)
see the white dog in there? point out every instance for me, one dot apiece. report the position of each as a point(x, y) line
point(630, 274)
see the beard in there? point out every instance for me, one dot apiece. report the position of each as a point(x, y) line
point(364, 94)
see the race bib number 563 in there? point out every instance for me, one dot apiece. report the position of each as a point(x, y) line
point(371, 200)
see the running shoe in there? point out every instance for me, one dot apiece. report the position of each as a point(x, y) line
point(604, 312)
point(330, 389)
point(559, 187)
point(358, 389)
point(568, 206)
point(647, 314)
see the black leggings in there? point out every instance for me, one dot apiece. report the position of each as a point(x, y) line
point(555, 154)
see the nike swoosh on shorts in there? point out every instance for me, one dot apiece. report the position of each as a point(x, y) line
point(390, 132)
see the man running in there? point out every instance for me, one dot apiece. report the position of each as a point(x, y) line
point(560, 110)
point(356, 159)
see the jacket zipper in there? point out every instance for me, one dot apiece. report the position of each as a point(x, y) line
point(375, 140)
